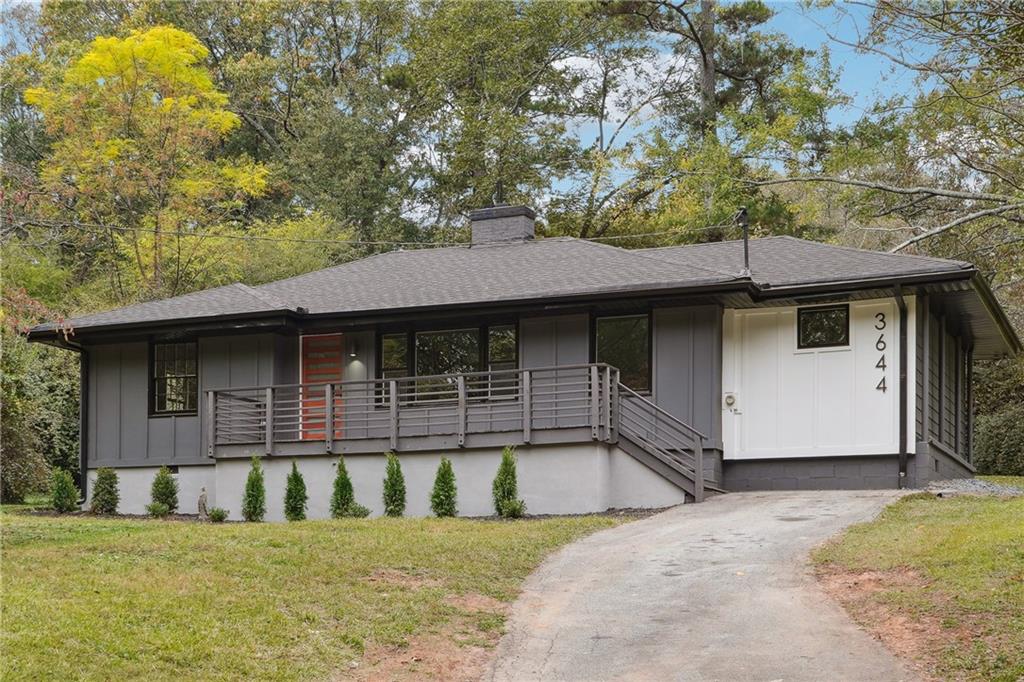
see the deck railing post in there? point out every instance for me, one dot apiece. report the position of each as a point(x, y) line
point(268, 422)
point(613, 425)
point(595, 407)
point(460, 382)
point(393, 403)
point(211, 422)
point(329, 417)
point(606, 401)
point(698, 469)
point(527, 405)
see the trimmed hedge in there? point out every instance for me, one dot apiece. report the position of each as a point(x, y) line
point(105, 496)
point(999, 442)
point(444, 495)
point(254, 501)
point(394, 487)
point(165, 489)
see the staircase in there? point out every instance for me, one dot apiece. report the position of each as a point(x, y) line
point(659, 440)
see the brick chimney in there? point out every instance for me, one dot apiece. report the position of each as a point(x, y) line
point(502, 224)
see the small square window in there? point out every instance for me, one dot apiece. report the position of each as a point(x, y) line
point(823, 327)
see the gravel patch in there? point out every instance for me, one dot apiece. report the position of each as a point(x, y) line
point(974, 486)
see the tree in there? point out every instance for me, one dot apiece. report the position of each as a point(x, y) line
point(165, 489)
point(134, 120)
point(342, 497)
point(505, 488)
point(63, 492)
point(394, 487)
point(254, 500)
point(295, 497)
point(444, 494)
point(105, 495)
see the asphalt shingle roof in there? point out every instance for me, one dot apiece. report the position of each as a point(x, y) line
point(545, 268)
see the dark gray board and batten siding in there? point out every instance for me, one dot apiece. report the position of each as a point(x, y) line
point(121, 431)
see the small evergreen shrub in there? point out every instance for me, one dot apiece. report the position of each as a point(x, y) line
point(254, 501)
point(104, 492)
point(165, 489)
point(342, 497)
point(999, 442)
point(443, 496)
point(357, 511)
point(394, 487)
point(218, 515)
point(513, 509)
point(505, 489)
point(157, 509)
point(295, 496)
point(63, 491)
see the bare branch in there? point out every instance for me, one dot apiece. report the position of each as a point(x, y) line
point(955, 223)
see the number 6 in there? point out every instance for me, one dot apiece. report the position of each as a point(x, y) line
point(880, 344)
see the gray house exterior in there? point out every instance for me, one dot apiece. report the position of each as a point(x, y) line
point(625, 378)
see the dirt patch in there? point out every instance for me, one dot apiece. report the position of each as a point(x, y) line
point(921, 637)
point(391, 576)
point(459, 652)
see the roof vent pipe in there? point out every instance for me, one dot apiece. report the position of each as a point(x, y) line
point(502, 224)
point(744, 222)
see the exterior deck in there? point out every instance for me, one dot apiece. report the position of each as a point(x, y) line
point(551, 405)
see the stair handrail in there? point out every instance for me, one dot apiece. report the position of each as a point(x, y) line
point(626, 389)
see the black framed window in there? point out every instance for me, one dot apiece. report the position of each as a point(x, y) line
point(625, 342)
point(502, 347)
point(447, 351)
point(394, 356)
point(823, 327)
point(175, 385)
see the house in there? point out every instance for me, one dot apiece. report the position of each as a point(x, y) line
point(626, 378)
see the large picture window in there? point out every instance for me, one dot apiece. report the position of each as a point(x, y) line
point(823, 327)
point(175, 378)
point(625, 343)
point(394, 356)
point(448, 351)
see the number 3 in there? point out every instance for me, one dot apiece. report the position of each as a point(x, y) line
point(881, 321)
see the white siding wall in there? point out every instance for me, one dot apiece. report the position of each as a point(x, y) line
point(792, 402)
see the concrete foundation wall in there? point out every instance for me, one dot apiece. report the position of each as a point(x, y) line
point(134, 485)
point(564, 479)
point(930, 463)
point(873, 472)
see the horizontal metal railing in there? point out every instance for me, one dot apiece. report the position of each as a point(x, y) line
point(514, 400)
point(663, 435)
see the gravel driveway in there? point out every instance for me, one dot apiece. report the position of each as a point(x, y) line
point(713, 591)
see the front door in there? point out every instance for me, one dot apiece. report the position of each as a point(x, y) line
point(321, 362)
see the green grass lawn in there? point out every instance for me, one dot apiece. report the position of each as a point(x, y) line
point(115, 599)
point(965, 559)
point(1015, 481)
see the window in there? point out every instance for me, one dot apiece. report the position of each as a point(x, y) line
point(625, 343)
point(823, 327)
point(394, 355)
point(175, 378)
point(447, 352)
point(501, 348)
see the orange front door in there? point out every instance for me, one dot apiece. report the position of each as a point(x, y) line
point(321, 359)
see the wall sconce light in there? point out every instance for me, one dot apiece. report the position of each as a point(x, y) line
point(354, 350)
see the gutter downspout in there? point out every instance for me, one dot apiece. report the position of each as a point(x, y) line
point(83, 420)
point(903, 455)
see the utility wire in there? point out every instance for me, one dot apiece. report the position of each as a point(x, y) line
point(99, 229)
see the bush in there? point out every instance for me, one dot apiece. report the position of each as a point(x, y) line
point(104, 492)
point(254, 502)
point(63, 491)
point(394, 487)
point(357, 511)
point(343, 497)
point(165, 489)
point(444, 494)
point(505, 489)
point(295, 496)
point(999, 442)
point(513, 509)
point(218, 515)
point(157, 509)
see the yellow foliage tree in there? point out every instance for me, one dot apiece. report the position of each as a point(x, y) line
point(136, 120)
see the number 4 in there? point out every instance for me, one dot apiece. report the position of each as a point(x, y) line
point(881, 363)
point(881, 386)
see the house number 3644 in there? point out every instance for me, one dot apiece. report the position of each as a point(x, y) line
point(880, 347)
